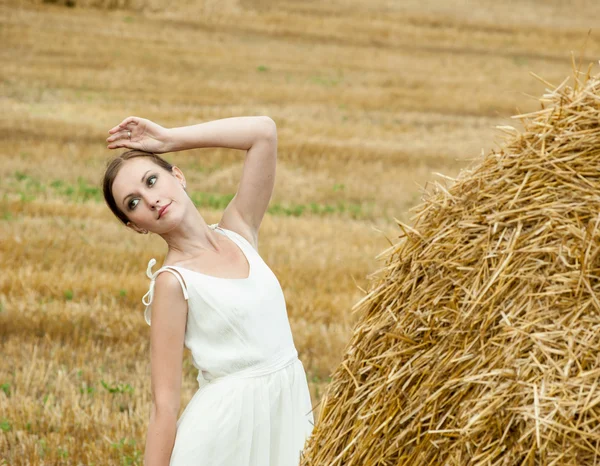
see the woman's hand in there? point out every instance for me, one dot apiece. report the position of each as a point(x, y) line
point(139, 133)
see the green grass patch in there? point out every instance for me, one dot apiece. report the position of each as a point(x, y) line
point(5, 425)
point(213, 201)
point(43, 447)
point(81, 191)
point(5, 387)
point(87, 390)
point(327, 81)
point(130, 454)
point(30, 187)
point(117, 388)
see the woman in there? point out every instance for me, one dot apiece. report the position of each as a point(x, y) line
point(219, 299)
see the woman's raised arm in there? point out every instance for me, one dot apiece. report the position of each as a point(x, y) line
point(234, 133)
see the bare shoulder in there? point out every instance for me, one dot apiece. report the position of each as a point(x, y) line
point(169, 306)
point(168, 292)
point(231, 220)
point(168, 282)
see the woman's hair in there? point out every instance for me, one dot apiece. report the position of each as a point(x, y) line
point(112, 168)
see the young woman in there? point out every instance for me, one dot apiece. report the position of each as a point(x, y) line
point(219, 299)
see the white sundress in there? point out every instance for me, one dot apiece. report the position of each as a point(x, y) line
point(253, 406)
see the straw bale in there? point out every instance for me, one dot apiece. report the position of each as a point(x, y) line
point(479, 342)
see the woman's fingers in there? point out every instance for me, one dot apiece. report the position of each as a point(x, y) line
point(125, 144)
point(124, 134)
point(129, 120)
point(120, 134)
point(124, 123)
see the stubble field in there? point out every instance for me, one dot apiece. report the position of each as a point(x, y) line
point(371, 100)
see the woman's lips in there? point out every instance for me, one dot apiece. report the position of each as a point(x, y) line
point(163, 210)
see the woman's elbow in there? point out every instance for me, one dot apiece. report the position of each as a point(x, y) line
point(270, 127)
point(165, 408)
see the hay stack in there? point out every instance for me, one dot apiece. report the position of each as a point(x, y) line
point(481, 344)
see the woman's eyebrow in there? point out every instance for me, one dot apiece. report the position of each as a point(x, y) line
point(129, 195)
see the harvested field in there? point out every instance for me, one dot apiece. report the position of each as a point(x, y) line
point(371, 100)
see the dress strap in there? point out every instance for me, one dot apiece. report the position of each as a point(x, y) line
point(236, 237)
point(150, 293)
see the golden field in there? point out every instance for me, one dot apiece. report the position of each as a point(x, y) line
point(371, 100)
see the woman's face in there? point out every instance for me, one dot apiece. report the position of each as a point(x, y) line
point(141, 188)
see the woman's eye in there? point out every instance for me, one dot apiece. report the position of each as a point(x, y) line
point(131, 205)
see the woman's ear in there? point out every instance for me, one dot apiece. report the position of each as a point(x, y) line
point(135, 228)
point(177, 173)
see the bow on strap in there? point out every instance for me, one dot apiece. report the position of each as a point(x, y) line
point(152, 277)
point(150, 293)
point(149, 269)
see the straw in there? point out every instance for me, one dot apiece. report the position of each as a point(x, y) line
point(479, 340)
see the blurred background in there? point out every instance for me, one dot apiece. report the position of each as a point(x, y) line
point(372, 100)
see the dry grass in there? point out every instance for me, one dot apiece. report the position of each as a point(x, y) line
point(479, 342)
point(370, 99)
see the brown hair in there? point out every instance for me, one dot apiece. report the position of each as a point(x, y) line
point(112, 168)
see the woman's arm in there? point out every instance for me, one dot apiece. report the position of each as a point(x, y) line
point(160, 437)
point(167, 333)
point(234, 133)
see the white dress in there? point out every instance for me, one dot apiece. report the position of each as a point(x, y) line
point(253, 406)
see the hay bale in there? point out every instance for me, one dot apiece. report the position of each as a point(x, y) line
point(480, 344)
